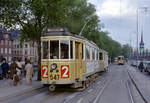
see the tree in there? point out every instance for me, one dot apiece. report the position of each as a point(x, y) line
point(126, 50)
point(34, 16)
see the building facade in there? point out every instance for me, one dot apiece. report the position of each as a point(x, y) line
point(25, 50)
point(6, 46)
point(10, 46)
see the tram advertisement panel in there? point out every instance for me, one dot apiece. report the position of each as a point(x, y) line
point(65, 71)
point(44, 71)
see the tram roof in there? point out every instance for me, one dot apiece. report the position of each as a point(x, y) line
point(65, 32)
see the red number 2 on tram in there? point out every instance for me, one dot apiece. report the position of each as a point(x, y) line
point(44, 71)
point(65, 71)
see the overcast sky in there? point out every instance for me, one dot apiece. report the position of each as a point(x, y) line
point(119, 18)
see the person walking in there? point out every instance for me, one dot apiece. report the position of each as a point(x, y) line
point(13, 72)
point(19, 69)
point(141, 66)
point(5, 69)
point(29, 72)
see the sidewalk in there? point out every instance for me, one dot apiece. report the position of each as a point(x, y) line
point(142, 81)
point(9, 91)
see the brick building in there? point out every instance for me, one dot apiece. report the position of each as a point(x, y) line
point(6, 45)
point(10, 46)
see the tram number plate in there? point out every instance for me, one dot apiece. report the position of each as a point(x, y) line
point(65, 71)
point(54, 76)
point(44, 71)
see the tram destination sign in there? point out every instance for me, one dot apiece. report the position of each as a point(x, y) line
point(56, 29)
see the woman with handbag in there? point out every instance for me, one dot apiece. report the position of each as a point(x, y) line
point(13, 72)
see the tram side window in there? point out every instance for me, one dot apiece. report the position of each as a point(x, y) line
point(82, 51)
point(100, 56)
point(97, 55)
point(93, 54)
point(64, 46)
point(71, 49)
point(87, 52)
point(45, 50)
point(54, 49)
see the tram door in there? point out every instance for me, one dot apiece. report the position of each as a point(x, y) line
point(78, 57)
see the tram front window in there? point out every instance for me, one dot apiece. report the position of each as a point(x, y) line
point(54, 49)
point(45, 50)
point(64, 46)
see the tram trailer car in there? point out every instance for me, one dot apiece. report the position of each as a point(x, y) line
point(69, 59)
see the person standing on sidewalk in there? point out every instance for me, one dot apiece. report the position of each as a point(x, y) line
point(29, 72)
point(19, 70)
point(5, 69)
point(13, 72)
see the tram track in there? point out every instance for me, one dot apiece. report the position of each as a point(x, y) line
point(79, 97)
point(130, 92)
point(23, 95)
point(132, 97)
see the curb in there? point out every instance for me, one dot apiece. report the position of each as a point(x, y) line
point(142, 94)
point(20, 93)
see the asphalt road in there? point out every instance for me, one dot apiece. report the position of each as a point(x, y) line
point(113, 86)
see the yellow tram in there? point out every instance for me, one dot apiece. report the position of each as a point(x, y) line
point(121, 60)
point(69, 59)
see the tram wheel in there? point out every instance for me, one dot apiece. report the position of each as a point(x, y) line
point(52, 88)
point(87, 83)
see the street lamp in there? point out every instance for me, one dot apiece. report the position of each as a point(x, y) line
point(145, 8)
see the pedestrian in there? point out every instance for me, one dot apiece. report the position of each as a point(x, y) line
point(141, 66)
point(13, 72)
point(29, 72)
point(19, 69)
point(5, 69)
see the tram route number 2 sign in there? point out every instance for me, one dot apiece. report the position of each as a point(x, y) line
point(65, 71)
point(44, 71)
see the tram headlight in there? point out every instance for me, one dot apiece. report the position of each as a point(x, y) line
point(53, 66)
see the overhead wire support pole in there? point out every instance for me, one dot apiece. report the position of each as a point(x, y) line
point(138, 29)
point(137, 34)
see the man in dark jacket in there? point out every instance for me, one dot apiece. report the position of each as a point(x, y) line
point(141, 66)
point(5, 69)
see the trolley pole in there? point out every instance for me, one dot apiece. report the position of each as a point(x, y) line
point(86, 24)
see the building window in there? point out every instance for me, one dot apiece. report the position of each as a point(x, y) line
point(9, 50)
point(2, 50)
point(26, 52)
point(5, 50)
point(2, 42)
point(10, 43)
point(6, 42)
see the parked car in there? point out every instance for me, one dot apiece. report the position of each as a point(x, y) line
point(148, 67)
point(135, 63)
